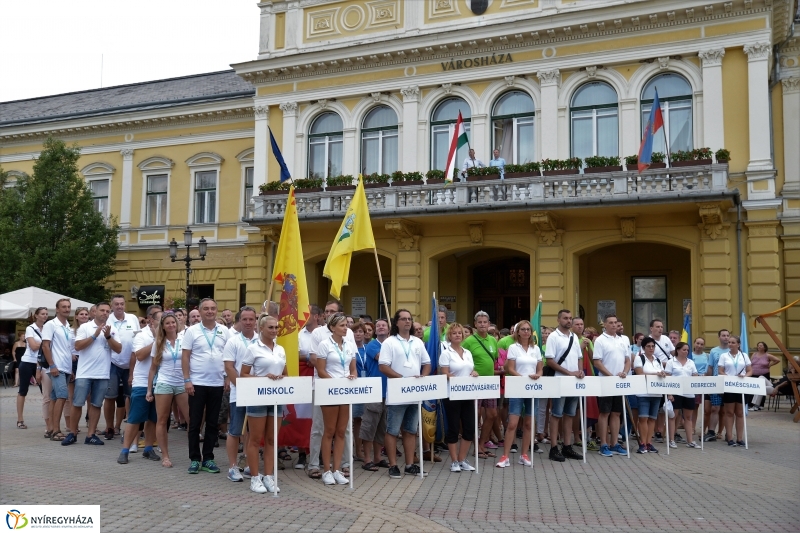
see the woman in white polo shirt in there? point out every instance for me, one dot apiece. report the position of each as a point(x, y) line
point(681, 365)
point(335, 359)
point(264, 358)
point(168, 384)
point(524, 359)
point(734, 363)
point(456, 362)
point(646, 363)
point(28, 368)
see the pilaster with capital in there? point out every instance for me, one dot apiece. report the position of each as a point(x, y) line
point(549, 80)
point(758, 108)
point(550, 266)
point(791, 280)
point(261, 144)
point(289, 110)
point(266, 33)
point(408, 283)
point(791, 140)
point(127, 188)
point(716, 269)
point(713, 125)
point(410, 119)
point(764, 282)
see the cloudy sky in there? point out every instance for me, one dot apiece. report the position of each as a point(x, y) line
point(57, 46)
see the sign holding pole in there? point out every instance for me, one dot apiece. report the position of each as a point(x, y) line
point(741, 384)
point(581, 387)
point(475, 388)
point(703, 385)
point(617, 386)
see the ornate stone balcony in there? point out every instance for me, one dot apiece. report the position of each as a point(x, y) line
point(681, 184)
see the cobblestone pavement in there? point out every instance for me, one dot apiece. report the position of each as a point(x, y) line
point(720, 489)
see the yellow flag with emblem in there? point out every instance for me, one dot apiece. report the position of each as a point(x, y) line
point(289, 274)
point(354, 234)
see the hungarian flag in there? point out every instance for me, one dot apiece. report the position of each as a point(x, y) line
point(459, 140)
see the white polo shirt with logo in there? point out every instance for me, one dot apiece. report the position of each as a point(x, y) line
point(665, 346)
point(406, 357)
point(95, 360)
point(205, 361)
point(612, 351)
point(61, 342)
point(235, 350)
point(141, 369)
point(125, 330)
point(557, 344)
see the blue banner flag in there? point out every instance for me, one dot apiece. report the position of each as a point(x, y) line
point(743, 346)
point(434, 341)
point(285, 175)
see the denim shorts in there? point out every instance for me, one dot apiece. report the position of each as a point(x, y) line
point(633, 400)
point(515, 406)
point(237, 420)
point(564, 406)
point(85, 386)
point(358, 410)
point(260, 411)
point(163, 388)
point(118, 376)
point(60, 389)
point(648, 407)
point(405, 416)
point(141, 410)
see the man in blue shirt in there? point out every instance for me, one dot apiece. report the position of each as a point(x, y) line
point(713, 370)
point(373, 421)
point(498, 161)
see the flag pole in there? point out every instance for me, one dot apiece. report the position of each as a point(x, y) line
point(383, 291)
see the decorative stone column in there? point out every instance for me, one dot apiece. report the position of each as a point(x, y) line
point(266, 34)
point(294, 26)
point(791, 280)
point(760, 171)
point(408, 284)
point(764, 279)
point(716, 276)
point(350, 153)
point(289, 132)
point(127, 189)
point(791, 141)
point(549, 80)
point(261, 145)
point(713, 126)
point(410, 118)
point(550, 264)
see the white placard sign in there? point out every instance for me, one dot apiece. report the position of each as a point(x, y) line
point(667, 385)
point(703, 384)
point(474, 388)
point(412, 390)
point(340, 391)
point(358, 305)
point(588, 386)
point(525, 387)
point(617, 386)
point(265, 391)
point(745, 385)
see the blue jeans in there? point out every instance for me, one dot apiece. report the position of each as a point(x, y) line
point(237, 420)
point(564, 406)
point(648, 407)
point(85, 386)
point(515, 406)
point(60, 389)
point(405, 416)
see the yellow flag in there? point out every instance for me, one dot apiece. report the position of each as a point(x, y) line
point(354, 234)
point(290, 275)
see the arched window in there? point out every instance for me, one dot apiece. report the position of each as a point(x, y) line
point(675, 95)
point(443, 121)
point(325, 146)
point(379, 141)
point(594, 114)
point(512, 127)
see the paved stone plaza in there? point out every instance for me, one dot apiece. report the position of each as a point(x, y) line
point(720, 489)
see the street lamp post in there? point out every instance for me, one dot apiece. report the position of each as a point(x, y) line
point(187, 241)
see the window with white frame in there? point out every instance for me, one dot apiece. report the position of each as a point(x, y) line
point(325, 143)
point(675, 97)
point(512, 127)
point(205, 197)
point(443, 123)
point(594, 116)
point(248, 188)
point(156, 202)
point(100, 192)
point(379, 150)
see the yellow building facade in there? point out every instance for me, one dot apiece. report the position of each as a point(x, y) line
point(374, 86)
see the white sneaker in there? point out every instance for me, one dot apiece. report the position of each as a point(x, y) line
point(503, 462)
point(257, 486)
point(672, 444)
point(339, 478)
point(246, 473)
point(466, 466)
point(134, 448)
point(234, 475)
point(455, 466)
point(269, 483)
point(524, 460)
point(327, 478)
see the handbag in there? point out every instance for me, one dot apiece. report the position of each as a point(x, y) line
point(547, 371)
point(40, 358)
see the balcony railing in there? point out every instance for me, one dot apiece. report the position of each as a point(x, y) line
point(538, 192)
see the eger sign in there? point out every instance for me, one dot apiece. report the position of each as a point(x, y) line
point(484, 61)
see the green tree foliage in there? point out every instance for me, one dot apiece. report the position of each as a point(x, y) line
point(52, 236)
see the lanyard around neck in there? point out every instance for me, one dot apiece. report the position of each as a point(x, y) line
point(213, 336)
point(174, 352)
point(406, 344)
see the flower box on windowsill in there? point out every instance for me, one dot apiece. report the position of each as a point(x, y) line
point(341, 188)
point(596, 170)
point(435, 181)
point(691, 163)
point(376, 185)
point(515, 175)
point(404, 183)
point(564, 172)
point(310, 189)
point(275, 193)
point(485, 177)
point(657, 165)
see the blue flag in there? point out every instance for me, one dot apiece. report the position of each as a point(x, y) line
point(285, 175)
point(434, 342)
point(743, 347)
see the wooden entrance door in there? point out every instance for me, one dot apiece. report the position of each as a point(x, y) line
point(502, 289)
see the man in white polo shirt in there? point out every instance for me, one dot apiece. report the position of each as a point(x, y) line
point(665, 351)
point(563, 355)
point(125, 326)
point(95, 341)
point(57, 340)
point(612, 357)
point(402, 356)
point(203, 373)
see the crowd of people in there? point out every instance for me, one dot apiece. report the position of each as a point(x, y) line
point(178, 370)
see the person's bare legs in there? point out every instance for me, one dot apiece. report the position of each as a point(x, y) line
point(269, 446)
point(602, 428)
point(343, 416)
point(409, 442)
point(486, 427)
point(330, 418)
point(359, 452)
point(163, 407)
point(390, 445)
point(738, 410)
point(613, 423)
point(109, 409)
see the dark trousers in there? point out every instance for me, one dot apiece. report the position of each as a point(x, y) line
point(460, 417)
point(209, 400)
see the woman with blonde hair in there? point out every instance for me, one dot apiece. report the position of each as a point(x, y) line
point(28, 369)
point(456, 362)
point(169, 385)
point(264, 358)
